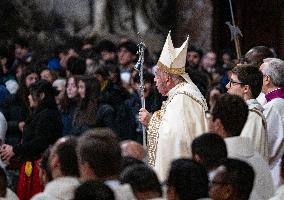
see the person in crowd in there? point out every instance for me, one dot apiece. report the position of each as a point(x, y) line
point(228, 118)
point(153, 100)
point(246, 82)
point(91, 112)
point(60, 84)
point(100, 159)
point(169, 137)
point(117, 96)
point(48, 74)
point(8, 71)
point(41, 129)
point(16, 106)
point(75, 66)
point(5, 192)
point(126, 59)
point(144, 182)
point(22, 50)
point(133, 149)
point(107, 51)
point(214, 92)
point(193, 57)
point(68, 104)
point(44, 168)
point(208, 66)
point(209, 150)
point(273, 88)
point(64, 168)
point(256, 55)
point(234, 179)
point(279, 194)
point(187, 180)
point(94, 190)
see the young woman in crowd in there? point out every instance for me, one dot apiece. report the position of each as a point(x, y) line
point(41, 129)
point(91, 112)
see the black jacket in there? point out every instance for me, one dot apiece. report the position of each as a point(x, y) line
point(42, 129)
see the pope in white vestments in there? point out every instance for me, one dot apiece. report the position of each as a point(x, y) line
point(181, 117)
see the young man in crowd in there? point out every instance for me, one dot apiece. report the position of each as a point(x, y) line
point(229, 115)
point(233, 180)
point(246, 82)
point(100, 159)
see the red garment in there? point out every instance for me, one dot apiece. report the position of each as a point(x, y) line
point(29, 186)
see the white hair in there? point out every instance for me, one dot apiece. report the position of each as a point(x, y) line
point(61, 82)
point(274, 68)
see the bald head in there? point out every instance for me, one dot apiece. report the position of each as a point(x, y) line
point(132, 149)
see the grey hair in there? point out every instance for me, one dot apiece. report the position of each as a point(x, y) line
point(177, 79)
point(274, 68)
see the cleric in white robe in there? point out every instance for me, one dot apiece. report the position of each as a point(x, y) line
point(181, 117)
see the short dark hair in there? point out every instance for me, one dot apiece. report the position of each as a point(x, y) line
point(43, 86)
point(101, 150)
point(142, 179)
point(3, 182)
point(76, 66)
point(106, 45)
point(93, 190)
point(240, 175)
point(128, 161)
point(130, 46)
point(22, 42)
point(195, 49)
point(256, 55)
point(66, 152)
point(211, 148)
point(233, 113)
point(189, 179)
point(250, 75)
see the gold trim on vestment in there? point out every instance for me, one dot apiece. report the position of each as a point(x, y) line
point(155, 122)
point(172, 70)
point(260, 114)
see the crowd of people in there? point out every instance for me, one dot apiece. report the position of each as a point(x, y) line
point(71, 123)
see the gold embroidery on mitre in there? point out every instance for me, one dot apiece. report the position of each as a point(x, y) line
point(172, 70)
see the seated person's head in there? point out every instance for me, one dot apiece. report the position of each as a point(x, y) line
point(187, 180)
point(143, 180)
point(229, 115)
point(99, 155)
point(234, 179)
point(132, 149)
point(210, 150)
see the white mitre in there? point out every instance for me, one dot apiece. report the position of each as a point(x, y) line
point(172, 60)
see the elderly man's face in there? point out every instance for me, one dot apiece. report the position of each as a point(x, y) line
point(161, 79)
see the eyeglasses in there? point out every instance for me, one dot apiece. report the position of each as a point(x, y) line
point(232, 82)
